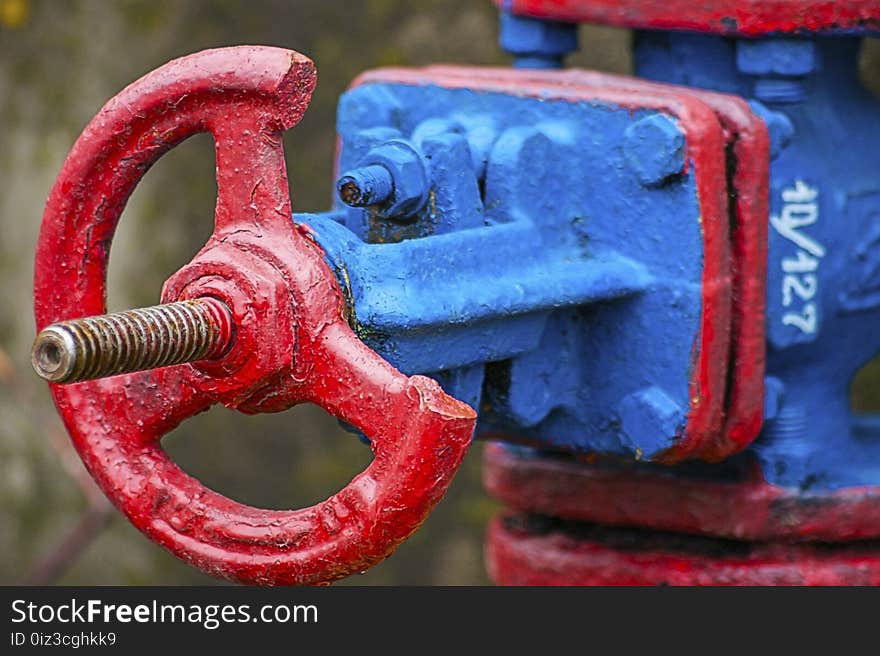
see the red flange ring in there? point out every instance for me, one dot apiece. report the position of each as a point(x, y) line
point(622, 494)
point(733, 17)
point(292, 343)
point(594, 555)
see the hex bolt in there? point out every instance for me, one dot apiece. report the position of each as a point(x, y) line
point(134, 340)
point(779, 127)
point(781, 67)
point(650, 421)
point(365, 186)
point(393, 176)
point(654, 149)
point(537, 43)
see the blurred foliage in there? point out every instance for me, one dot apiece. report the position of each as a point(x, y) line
point(59, 61)
point(14, 13)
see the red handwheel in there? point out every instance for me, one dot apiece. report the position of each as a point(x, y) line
point(261, 326)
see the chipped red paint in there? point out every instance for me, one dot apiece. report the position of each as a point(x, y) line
point(618, 494)
point(749, 150)
point(706, 152)
point(517, 556)
point(747, 17)
point(292, 345)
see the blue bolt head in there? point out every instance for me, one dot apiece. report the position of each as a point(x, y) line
point(779, 127)
point(650, 420)
point(776, 56)
point(654, 147)
point(521, 35)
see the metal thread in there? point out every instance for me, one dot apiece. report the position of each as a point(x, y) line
point(781, 89)
point(135, 340)
point(364, 186)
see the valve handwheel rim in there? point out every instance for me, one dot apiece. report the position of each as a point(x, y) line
point(292, 343)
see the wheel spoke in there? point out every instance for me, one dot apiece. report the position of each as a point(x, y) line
point(252, 189)
point(137, 409)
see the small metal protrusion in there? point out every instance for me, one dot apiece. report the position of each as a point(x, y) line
point(654, 147)
point(135, 340)
point(53, 353)
point(364, 186)
point(537, 43)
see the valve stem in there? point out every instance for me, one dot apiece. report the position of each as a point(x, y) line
point(134, 340)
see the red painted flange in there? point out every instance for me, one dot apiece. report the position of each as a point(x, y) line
point(518, 555)
point(622, 495)
point(746, 17)
point(292, 345)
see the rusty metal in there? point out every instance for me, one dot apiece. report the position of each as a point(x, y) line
point(369, 185)
point(134, 340)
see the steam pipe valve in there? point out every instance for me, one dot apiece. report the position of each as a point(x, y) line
point(263, 276)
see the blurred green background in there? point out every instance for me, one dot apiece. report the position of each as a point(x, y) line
point(59, 62)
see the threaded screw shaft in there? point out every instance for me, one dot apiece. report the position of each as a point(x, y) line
point(368, 185)
point(135, 340)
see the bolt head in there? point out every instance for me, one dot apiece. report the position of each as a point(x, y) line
point(408, 173)
point(779, 127)
point(521, 35)
point(654, 147)
point(650, 421)
point(776, 56)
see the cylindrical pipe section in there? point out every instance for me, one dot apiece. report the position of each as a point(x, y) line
point(135, 340)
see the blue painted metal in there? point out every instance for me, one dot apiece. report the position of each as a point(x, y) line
point(654, 148)
point(779, 66)
point(539, 268)
point(370, 184)
point(396, 177)
point(824, 248)
point(536, 283)
point(537, 43)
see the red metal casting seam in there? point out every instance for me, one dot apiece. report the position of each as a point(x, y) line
point(262, 267)
point(705, 150)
